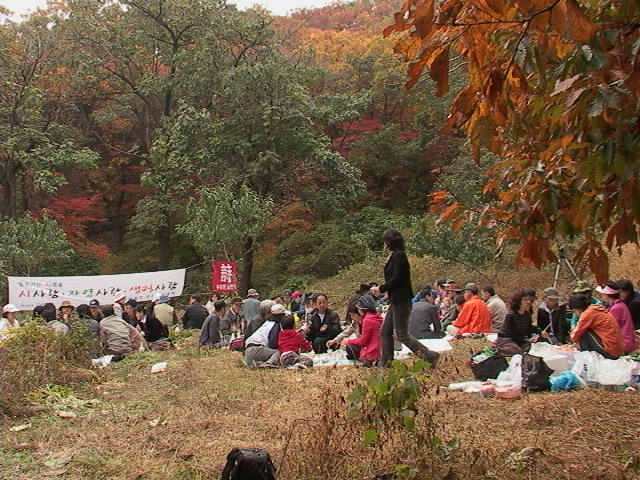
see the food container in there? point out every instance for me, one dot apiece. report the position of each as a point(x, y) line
point(486, 389)
point(508, 392)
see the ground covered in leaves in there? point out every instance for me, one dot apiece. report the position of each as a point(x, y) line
point(130, 424)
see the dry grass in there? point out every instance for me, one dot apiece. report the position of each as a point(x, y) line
point(180, 424)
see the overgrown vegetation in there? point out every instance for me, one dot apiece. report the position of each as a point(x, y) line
point(34, 356)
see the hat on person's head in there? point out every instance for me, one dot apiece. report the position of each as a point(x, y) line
point(252, 292)
point(156, 297)
point(236, 300)
point(551, 292)
point(66, 303)
point(94, 303)
point(120, 296)
point(278, 308)
point(295, 294)
point(287, 293)
point(10, 308)
point(164, 298)
point(607, 290)
point(582, 287)
point(453, 287)
point(472, 287)
point(366, 302)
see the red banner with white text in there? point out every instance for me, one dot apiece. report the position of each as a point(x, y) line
point(224, 276)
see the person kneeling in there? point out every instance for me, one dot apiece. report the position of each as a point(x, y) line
point(366, 348)
point(597, 330)
point(291, 343)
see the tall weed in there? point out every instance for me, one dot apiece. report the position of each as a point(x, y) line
point(35, 356)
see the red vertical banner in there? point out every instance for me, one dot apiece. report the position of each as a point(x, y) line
point(224, 277)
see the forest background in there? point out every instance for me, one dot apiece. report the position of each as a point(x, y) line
point(158, 134)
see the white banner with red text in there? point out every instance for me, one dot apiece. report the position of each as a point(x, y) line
point(29, 292)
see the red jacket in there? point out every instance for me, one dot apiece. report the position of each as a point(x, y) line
point(596, 318)
point(474, 317)
point(369, 341)
point(292, 341)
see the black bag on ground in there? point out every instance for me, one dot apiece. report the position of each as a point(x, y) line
point(535, 373)
point(249, 464)
point(490, 367)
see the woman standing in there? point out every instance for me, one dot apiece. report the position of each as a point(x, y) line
point(397, 284)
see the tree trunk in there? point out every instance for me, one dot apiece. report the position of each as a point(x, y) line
point(247, 266)
point(164, 245)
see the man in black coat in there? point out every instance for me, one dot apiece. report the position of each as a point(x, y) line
point(195, 314)
point(324, 324)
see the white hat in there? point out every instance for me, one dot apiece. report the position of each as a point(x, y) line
point(10, 308)
point(278, 308)
point(156, 297)
point(120, 296)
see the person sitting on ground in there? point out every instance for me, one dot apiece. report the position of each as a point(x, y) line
point(474, 316)
point(295, 301)
point(232, 320)
point(129, 314)
point(517, 331)
point(416, 297)
point(497, 307)
point(118, 304)
point(611, 295)
point(86, 321)
point(354, 326)
point(424, 321)
point(552, 317)
point(94, 307)
point(324, 324)
point(210, 333)
point(583, 288)
point(597, 330)
point(366, 348)
point(449, 314)
point(631, 298)
point(213, 298)
point(151, 328)
point(291, 343)
point(444, 300)
point(65, 310)
point(117, 337)
point(261, 347)
point(55, 320)
point(9, 320)
point(165, 312)
point(264, 314)
point(251, 306)
point(195, 314)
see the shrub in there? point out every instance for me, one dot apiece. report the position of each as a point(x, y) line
point(35, 356)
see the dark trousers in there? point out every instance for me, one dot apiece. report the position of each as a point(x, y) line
point(353, 352)
point(591, 341)
point(396, 322)
point(320, 344)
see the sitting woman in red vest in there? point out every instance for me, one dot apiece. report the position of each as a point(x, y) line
point(366, 348)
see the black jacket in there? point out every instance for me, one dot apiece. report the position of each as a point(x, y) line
point(194, 316)
point(517, 327)
point(558, 321)
point(397, 277)
point(423, 316)
point(331, 319)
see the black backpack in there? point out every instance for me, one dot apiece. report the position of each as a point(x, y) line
point(535, 373)
point(249, 464)
point(488, 368)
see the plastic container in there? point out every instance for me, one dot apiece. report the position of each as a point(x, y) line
point(487, 390)
point(508, 392)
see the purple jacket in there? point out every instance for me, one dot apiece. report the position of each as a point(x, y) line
point(622, 315)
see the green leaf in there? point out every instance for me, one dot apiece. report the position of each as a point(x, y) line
point(370, 437)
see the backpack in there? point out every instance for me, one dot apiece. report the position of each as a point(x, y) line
point(488, 368)
point(237, 343)
point(535, 373)
point(249, 464)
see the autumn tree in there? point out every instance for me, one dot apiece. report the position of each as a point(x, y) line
point(553, 89)
point(37, 146)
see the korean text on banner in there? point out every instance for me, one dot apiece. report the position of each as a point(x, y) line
point(224, 277)
point(28, 292)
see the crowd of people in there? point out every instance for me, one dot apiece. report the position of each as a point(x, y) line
point(282, 330)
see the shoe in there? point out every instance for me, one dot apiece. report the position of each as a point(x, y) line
point(429, 356)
